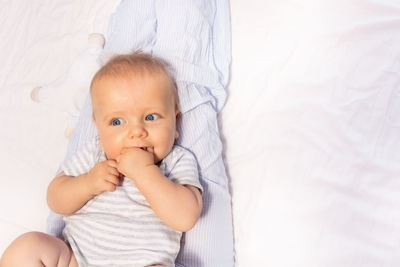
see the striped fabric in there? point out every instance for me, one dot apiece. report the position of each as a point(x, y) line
point(119, 228)
point(159, 27)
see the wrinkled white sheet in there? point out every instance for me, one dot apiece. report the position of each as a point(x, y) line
point(312, 129)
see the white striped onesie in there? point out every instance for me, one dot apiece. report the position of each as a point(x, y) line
point(119, 228)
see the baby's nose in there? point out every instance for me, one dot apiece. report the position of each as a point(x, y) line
point(137, 131)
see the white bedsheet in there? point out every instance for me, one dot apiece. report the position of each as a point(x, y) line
point(311, 124)
point(39, 42)
point(312, 128)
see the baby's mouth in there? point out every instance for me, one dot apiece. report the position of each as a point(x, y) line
point(147, 148)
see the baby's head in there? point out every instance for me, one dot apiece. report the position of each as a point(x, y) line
point(135, 104)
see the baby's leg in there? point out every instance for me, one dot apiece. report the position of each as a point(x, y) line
point(37, 249)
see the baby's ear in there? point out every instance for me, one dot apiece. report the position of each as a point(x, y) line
point(178, 115)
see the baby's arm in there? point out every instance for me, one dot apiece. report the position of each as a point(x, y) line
point(67, 194)
point(178, 206)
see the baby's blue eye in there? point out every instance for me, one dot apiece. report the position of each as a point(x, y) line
point(151, 117)
point(117, 122)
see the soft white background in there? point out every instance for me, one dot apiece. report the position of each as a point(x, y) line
point(311, 126)
point(40, 39)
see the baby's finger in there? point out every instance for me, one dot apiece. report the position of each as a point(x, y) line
point(112, 163)
point(113, 179)
point(113, 171)
point(110, 187)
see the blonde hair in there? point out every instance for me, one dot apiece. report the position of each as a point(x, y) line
point(124, 65)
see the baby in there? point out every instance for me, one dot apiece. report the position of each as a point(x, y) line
point(128, 196)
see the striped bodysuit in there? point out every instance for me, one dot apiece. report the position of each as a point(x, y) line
point(119, 228)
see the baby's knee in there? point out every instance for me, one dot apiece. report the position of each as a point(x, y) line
point(54, 251)
point(27, 239)
point(24, 242)
point(20, 250)
point(36, 249)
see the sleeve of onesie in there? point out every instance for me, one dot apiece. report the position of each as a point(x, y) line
point(82, 161)
point(184, 169)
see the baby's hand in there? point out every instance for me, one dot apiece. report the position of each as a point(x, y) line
point(132, 161)
point(103, 177)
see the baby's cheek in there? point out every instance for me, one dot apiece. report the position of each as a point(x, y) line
point(164, 149)
point(112, 150)
point(112, 145)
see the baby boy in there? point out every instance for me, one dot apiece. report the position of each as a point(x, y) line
point(127, 196)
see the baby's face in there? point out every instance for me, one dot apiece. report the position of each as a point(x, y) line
point(138, 111)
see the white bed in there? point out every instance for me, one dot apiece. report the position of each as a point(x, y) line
point(311, 125)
